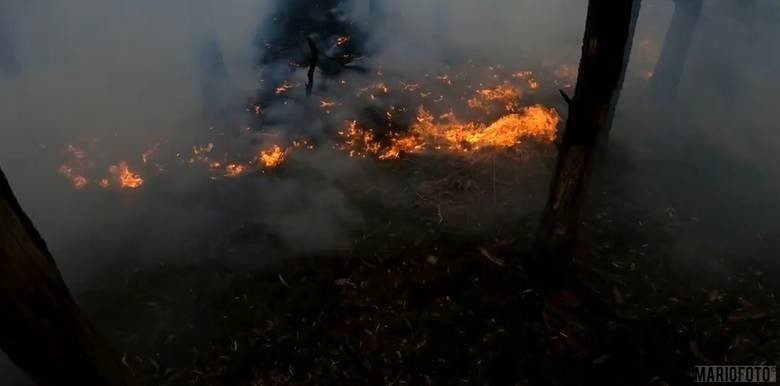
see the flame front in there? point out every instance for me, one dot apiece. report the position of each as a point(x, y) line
point(78, 181)
point(272, 158)
point(127, 179)
point(452, 115)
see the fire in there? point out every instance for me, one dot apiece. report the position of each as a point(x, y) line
point(505, 94)
point(439, 112)
point(342, 40)
point(233, 170)
point(445, 79)
point(326, 104)
point(78, 181)
point(567, 75)
point(448, 132)
point(145, 156)
point(528, 76)
point(357, 141)
point(127, 179)
point(533, 122)
point(74, 171)
point(273, 157)
point(286, 86)
point(410, 87)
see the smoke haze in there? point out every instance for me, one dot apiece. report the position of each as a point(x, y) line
point(127, 74)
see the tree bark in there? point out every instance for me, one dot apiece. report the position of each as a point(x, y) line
point(41, 327)
point(606, 48)
point(674, 55)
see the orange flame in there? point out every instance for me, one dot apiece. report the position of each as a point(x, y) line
point(233, 170)
point(273, 157)
point(127, 179)
point(78, 181)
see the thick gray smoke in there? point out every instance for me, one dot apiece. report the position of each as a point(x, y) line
point(118, 77)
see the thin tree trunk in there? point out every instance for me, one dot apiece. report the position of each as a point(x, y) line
point(606, 48)
point(671, 63)
point(41, 327)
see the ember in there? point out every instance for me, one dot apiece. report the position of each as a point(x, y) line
point(79, 181)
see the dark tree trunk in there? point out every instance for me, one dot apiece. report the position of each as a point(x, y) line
point(671, 63)
point(606, 48)
point(41, 327)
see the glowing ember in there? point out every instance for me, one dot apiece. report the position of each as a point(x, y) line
point(505, 94)
point(78, 181)
point(342, 40)
point(410, 87)
point(127, 179)
point(445, 79)
point(272, 158)
point(145, 156)
point(528, 76)
point(233, 170)
point(286, 86)
point(567, 75)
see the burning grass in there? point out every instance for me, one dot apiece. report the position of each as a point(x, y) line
point(449, 114)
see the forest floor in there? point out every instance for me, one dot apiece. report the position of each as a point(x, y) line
point(429, 293)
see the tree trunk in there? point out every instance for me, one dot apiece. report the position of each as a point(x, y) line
point(41, 327)
point(605, 52)
point(671, 63)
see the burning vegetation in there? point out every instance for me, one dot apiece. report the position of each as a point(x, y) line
point(445, 113)
point(445, 255)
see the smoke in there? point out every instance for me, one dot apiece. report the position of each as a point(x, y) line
point(123, 75)
point(438, 32)
point(709, 156)
point(116, 77)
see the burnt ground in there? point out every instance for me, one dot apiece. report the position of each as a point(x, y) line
point(431, 291)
